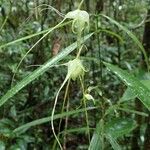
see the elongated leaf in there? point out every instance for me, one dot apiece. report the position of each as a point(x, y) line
point(129, 92)
point(31, 36)
point(39, 71)
point(119, 126)
point(113, 142)
point(47, 119)
point(96, 142)
point(128, 110)
point(142, 92)
point(113, 34)
point(131, 35)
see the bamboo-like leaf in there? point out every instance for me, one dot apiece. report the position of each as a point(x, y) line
point(128, 110)
point(39, 71)
point(131, 35)
point(76, 130)
point(47, 119)
point(31, 36)
point(119, 126)
point(139, 89)
point(113, 34)
point(113, 142)
point(96, 142)
point(129, 93)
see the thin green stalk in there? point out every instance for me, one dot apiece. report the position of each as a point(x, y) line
point(99, 53)
point(79, 52)
point(80, 4)
point(86, 114)
point(79, 39)
point(4, 23)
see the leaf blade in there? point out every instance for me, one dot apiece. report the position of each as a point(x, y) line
point(47, 119)
point(143, 93)
point(131, 35)
point(119, 126)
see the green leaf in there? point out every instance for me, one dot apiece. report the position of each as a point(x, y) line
point(31, 36)
point(129, 92)
point(113, 142)
point(142, 92)
point(131, 35)
point(76, 130)
point(39, 71)
point(47, 119)
point(146, 83)
point(119, 126)
point(129, 110)
point(96, 142)
point(112, 130)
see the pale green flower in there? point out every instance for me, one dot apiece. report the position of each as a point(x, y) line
point(75, 69)
point(80, 19)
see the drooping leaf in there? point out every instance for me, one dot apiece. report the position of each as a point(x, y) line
point(142, 92)
point(131, 35)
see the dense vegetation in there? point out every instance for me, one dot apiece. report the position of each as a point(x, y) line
point(74, 74)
